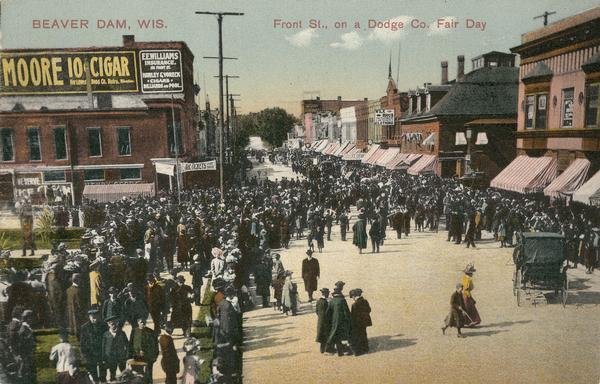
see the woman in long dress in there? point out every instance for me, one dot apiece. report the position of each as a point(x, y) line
point(191, 362)
point(473, 318)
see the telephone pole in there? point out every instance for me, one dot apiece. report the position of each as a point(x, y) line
point(227, 114)
point(545, 16)
point(220, 21)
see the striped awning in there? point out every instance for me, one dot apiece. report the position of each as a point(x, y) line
point(347, 149)
point(526, 174)
point(426, 164)
point(373, 159)
point(387, 156)
point(332, 148)
point(374, 148)
point(322, 146)
point(105, 193)
point(586, 192)
point(570, 180)
point(339, 149)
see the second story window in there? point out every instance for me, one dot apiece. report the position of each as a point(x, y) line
point(124, 141)
point(6, 141)
point(591, 105)
point(535, 111)
point(94, 142)
point(60, 143)
point(33, 140)
point(567, 108)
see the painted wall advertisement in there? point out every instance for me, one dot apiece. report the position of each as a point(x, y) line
point(161, 71)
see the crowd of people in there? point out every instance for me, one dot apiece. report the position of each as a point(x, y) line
point(133, 260)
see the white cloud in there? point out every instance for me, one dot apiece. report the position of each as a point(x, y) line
point(436, 29)
point(388, 32)
point(350, 41)
point(302, 38)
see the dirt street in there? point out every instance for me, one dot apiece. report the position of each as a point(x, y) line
point(408, 286)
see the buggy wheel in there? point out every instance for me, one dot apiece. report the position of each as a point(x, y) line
point(564, 291)
point(518, 288)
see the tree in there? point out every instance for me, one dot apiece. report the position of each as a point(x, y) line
point(273, 125)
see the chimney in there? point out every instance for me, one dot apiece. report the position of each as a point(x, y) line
point(128, 41)
point(318, 97)
point(444, 72)
point(461, 67)
point(339, 98)
point(366, 99)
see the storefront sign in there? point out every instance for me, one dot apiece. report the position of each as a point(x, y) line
point(28, 180)
point(161, 71)
point(384, 116)
point(165, 169)
point(61, 72)
point(204, 166)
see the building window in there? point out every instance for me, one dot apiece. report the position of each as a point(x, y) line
point(94, 142)
point(540, 112)
point(50, 176)
point(591, 105)
point(60, 143)
point(567, 108)
point(93, 174)
point(33, 140)
point(6, 140)
point(535, 111)
point(124, 141)
point(428, 102)
point(131, 174)
point(171, 138)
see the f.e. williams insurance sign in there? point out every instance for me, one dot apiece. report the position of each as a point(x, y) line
point(62, 72)
point(161, 71)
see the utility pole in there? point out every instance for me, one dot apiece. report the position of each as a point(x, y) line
point(176, 143)
point(545, 16)
point(227, 113)
point(220, 21)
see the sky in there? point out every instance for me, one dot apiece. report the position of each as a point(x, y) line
point(281, 66)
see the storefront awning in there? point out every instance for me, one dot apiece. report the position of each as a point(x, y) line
point(332, 148)
point(396, 160)
point(373, 159)
point(324, 144)
point(347, 149)
point(387, 156)
point(340, 149)
point(374, 148)
point(526, 174)
point(585, 194)
point(354, 155)
point(105, 193)
point(426, 164)
point(570, 180)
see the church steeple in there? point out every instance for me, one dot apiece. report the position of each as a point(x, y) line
point(390, 67)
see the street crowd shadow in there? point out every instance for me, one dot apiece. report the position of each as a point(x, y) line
point(578, 283)
point(389, 343)
point(484, 333)
point(269, 342)
point(503, 324)
point(578, 298)
point(274, 356)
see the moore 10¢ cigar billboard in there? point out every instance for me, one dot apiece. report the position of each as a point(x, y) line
point(62, 72)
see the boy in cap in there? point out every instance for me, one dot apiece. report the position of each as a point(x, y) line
point(457, 309)
point(197, 272)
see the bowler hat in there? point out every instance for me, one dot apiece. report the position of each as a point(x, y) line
point(111, 318)
point(324, 290)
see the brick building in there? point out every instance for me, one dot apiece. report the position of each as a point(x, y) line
point(558, 91)
point(314, 109)
point(76, 117)
point(468, 123)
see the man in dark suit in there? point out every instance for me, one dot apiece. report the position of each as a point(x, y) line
point(91, 344)
point(310, 274)
point(26, 348)
point(76, 305)
point(143, 346)
point(115, 347)
point(155, 299)
point(361, 319)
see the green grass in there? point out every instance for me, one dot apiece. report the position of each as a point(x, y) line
point(12, 238)
point(46, 339)
point(203, 333)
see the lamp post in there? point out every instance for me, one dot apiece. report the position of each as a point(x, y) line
point(468, 134)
